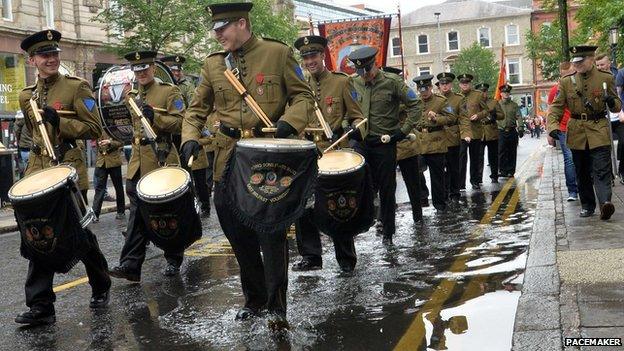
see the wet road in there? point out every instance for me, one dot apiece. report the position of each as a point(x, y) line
point(451, 282)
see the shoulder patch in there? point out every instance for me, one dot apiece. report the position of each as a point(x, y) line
point(299, 72)
point(89, 103)
point(217, 53)
point(449, 109)
point(178, 104)
point(354, 95)
point(411, 94)
point(274, 40)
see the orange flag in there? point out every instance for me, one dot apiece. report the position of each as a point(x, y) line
point(502, 74)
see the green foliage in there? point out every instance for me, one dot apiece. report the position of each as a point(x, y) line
point(479, 62)
point(279, 25)
point(596, 17)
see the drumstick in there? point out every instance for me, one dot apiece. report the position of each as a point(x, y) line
point(386, 138)
point(310, 129)
point(42, 129)
point(62, 112)
point(189, 164)
point(345, 135)
point(149, 132)
point(324, 126)
point(253, 105)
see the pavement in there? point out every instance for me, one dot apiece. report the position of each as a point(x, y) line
point(574, 280)
point(7, 218)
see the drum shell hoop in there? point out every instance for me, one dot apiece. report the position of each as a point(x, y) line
point(326, 173)
point(73, 176)
point(169, 196)
point(269, 145)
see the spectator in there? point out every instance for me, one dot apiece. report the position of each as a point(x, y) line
point(108, 163)
point(565, 68)
point(23, 140)
point(603, 62)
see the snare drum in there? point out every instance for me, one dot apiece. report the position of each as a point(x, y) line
point(168, 208)
point(268, 181)
point(344, 197)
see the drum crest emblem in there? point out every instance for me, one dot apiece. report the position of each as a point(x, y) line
point(343, 205)
point(164, 225)
point(40, 236)
point(270, 182)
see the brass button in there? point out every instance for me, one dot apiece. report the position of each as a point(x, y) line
point(244, 110)
point(242, 60)
point(244, 74)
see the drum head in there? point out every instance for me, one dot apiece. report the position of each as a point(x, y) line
point(340, 162)
point(163, 184)
point(42, 182)
point(276, 145)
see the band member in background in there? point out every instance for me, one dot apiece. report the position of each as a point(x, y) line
point(432, 138)
point(55, 91)
point(588, 133)
point(474, 110)
point(334, 95)
point(454, 132)
point(510, 129)
point(379, 94)
point(274, 79)
point(490, 130)
point(164, 96)
point(200, 165)
point(108, 162)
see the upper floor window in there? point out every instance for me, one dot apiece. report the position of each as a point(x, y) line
point(511, 35)
point(423, 44)
point(452, 42)
point(484, 37)
point(396, 46)
point(7, 10)
point(48, 13)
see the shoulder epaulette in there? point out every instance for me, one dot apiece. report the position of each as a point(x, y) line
point(440, 96)
point(165, 83)
point(569, 75)
point(275, 40)
point(607, 72)
point(340, 73)
point(75, 78)
point(30, 87)
point(217, 53)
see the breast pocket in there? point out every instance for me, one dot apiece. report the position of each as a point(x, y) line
point(224, 94)
point(269, 90)
point(335, 109)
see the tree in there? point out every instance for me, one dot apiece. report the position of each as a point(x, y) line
point(596, 17)
point(180, 26)
point(544, 48)
point(479, 62)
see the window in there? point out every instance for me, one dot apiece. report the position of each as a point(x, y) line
point(511, 35)
point(484, 37)
point(514, 71)
point(452, 41)
point(396, 46)
point(424, 70)
point(423, 44)
point(48, 12)
point(7, 10)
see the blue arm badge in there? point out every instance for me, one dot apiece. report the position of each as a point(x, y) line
point(411, 94)
point(178, 104)
point(299, 72)
point(89, 103)
point(354, 95)
point(449, 109)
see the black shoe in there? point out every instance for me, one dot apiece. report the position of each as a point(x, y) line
point(120, 215)
point(124, 272)
point(36, 317)
point(205, 211)
point(171, 270)
point(424, 202)
point(100, 300)
point(606, 210)
point(417, 219)
point(454, 200)
point(307, 265)
point(124, 233)
point(378, 228)
point(476, 186)
point(277, 323)
point(586, 213)
point(347, 268)
point(245, 313)
point(494, 180)
point(387, 240)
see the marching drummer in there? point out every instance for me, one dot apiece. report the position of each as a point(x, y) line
point(334, 94)
point(274, 79)
point(167, 120)
point(54, 91)
point(379, 93)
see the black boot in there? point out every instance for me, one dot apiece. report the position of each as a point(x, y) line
point(99, 300)
point(36, 316)
point(171, 270)
point(307, 264)
point(124, 272)
point(246, 313)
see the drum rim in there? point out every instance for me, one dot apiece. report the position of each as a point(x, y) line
point(346, 171)
point(73, 175)
point(256, 144)
point(169, 196)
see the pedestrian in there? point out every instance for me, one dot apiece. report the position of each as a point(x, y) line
point(588, 138)
point(510, 129)
point(56, 91)
point(23, 140)
point(565, 69)
point(490, 130)
point(380, 94)
point(164, 97)
point(275, 81)
point(108, 163)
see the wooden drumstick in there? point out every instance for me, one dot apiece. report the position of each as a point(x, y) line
point(42, 129)
point(189, 164)
point(62, 112)
point(386, 138)
point(345, 135)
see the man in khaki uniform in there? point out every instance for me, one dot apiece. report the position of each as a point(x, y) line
point(166, 97)
point(334, 96)
point(432, 137)
point(54, 91)
point(108, 162)
point(380, 94)
point(474, 110)
point(588, 131)
point(273, 78)
point(490, 131)
point(510, 129)
point(199, 168)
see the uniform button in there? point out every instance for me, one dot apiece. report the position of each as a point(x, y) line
point(242, 60)
point(244, 74)
point(244, 110)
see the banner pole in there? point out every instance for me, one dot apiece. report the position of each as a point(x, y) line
point(401, 42)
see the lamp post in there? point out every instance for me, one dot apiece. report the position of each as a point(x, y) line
point(437, 15)
point(613, 40)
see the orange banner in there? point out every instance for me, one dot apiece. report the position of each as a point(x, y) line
point(343, 37)
point(502, 75)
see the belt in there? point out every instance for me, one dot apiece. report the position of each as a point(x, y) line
point(588, 116)
point(431, 129)
point(236, 133)
point(507, 130)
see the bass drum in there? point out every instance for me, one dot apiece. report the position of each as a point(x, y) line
point(116, 82)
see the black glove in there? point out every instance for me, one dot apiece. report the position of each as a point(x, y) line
point(609, 100)
point(148, 112)
point(51, 116)
point(336, 134)
point(554, 134)
point(396, 137)
point(355, 134)
point(493, 116)
point(284, 130)
point(189, 148)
